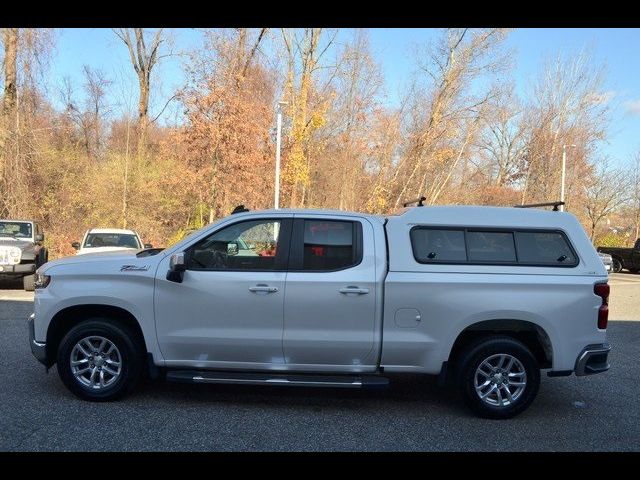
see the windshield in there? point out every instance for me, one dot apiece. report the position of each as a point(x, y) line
point(122, 240)
point(15, 229)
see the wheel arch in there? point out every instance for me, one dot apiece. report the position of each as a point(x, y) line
point(69, 317)
point(535, 337)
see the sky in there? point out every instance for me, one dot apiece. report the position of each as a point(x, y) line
point(617, 49)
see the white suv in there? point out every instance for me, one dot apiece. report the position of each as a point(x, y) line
point(98, 240)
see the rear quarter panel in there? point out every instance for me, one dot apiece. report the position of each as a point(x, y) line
point(451, 298)
point(564, 306)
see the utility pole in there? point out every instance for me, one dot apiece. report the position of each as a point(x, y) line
point(564, 169)
point(278, 143)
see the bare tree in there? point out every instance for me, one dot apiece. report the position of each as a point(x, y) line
point(9, 103)
point(96, 84)
point(460, 56)
point(503, 139)
point(567, 107)
point(88, 118)
point(10, 94)
point(143, 59)
point(606, 192)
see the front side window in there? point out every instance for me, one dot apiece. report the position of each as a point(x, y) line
point(122, 240)
point(328, 245)
point(438, 245)
point(251, 245)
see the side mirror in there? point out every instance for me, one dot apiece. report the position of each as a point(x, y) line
point(232, 248)
point(39, 237)
point(76, 245)
point(177, 267)
point(176, 263)
point(148, 245)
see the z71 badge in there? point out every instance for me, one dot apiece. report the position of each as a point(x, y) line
point(134, 268)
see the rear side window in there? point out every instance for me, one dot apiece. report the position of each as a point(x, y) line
point(491, 247)
point(436, 245)
point(328, 245)
point(517, 247)
point(549, 248)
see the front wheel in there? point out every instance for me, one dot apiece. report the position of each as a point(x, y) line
point(498, 377)
point(99, 360)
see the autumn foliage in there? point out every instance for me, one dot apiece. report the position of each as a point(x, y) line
point(459, 134)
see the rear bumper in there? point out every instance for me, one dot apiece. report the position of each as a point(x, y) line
point(38, 349)
point(593, 359)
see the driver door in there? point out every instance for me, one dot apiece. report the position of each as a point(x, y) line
point(228, 311)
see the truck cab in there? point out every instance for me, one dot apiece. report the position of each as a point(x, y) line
point(482, 297)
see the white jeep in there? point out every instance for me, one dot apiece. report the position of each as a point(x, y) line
point(483, 297)
point(22, 251)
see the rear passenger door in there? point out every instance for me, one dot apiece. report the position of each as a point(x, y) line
point(329, 311)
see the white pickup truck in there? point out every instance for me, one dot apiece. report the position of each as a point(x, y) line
point(483, 297)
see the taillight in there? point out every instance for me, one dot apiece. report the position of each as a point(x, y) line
point(602, 290)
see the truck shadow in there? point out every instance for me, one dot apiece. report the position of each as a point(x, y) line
point(402, 390)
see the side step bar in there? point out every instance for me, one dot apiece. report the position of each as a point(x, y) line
point(298, 380)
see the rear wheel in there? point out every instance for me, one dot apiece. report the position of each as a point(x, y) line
point(616, 267)
point(100, 360)
point(498, 377)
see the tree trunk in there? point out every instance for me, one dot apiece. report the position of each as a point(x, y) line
point(143, 115)
point(10, 97)
point(9, 112)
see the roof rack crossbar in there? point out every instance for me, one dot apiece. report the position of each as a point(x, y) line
point(417, 200)
point(555, 205)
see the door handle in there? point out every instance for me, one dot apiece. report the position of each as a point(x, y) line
point(355, 290)
point(262, 288)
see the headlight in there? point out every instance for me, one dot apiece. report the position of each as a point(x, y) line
point(42, 280)
point(14, 255)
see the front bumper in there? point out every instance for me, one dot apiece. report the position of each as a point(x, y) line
point(38, 349)
point(19, 270)
point(593, 359)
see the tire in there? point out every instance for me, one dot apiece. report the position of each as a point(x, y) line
point(28, 283)
point(127, 350)
point(616, 267)
point(43, 257)
point(494, 349)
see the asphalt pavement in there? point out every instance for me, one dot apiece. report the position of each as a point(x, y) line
point(601, 412)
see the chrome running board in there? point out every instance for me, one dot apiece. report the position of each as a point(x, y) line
point(280, 379)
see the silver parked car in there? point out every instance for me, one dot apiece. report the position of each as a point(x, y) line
point(607, 260)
